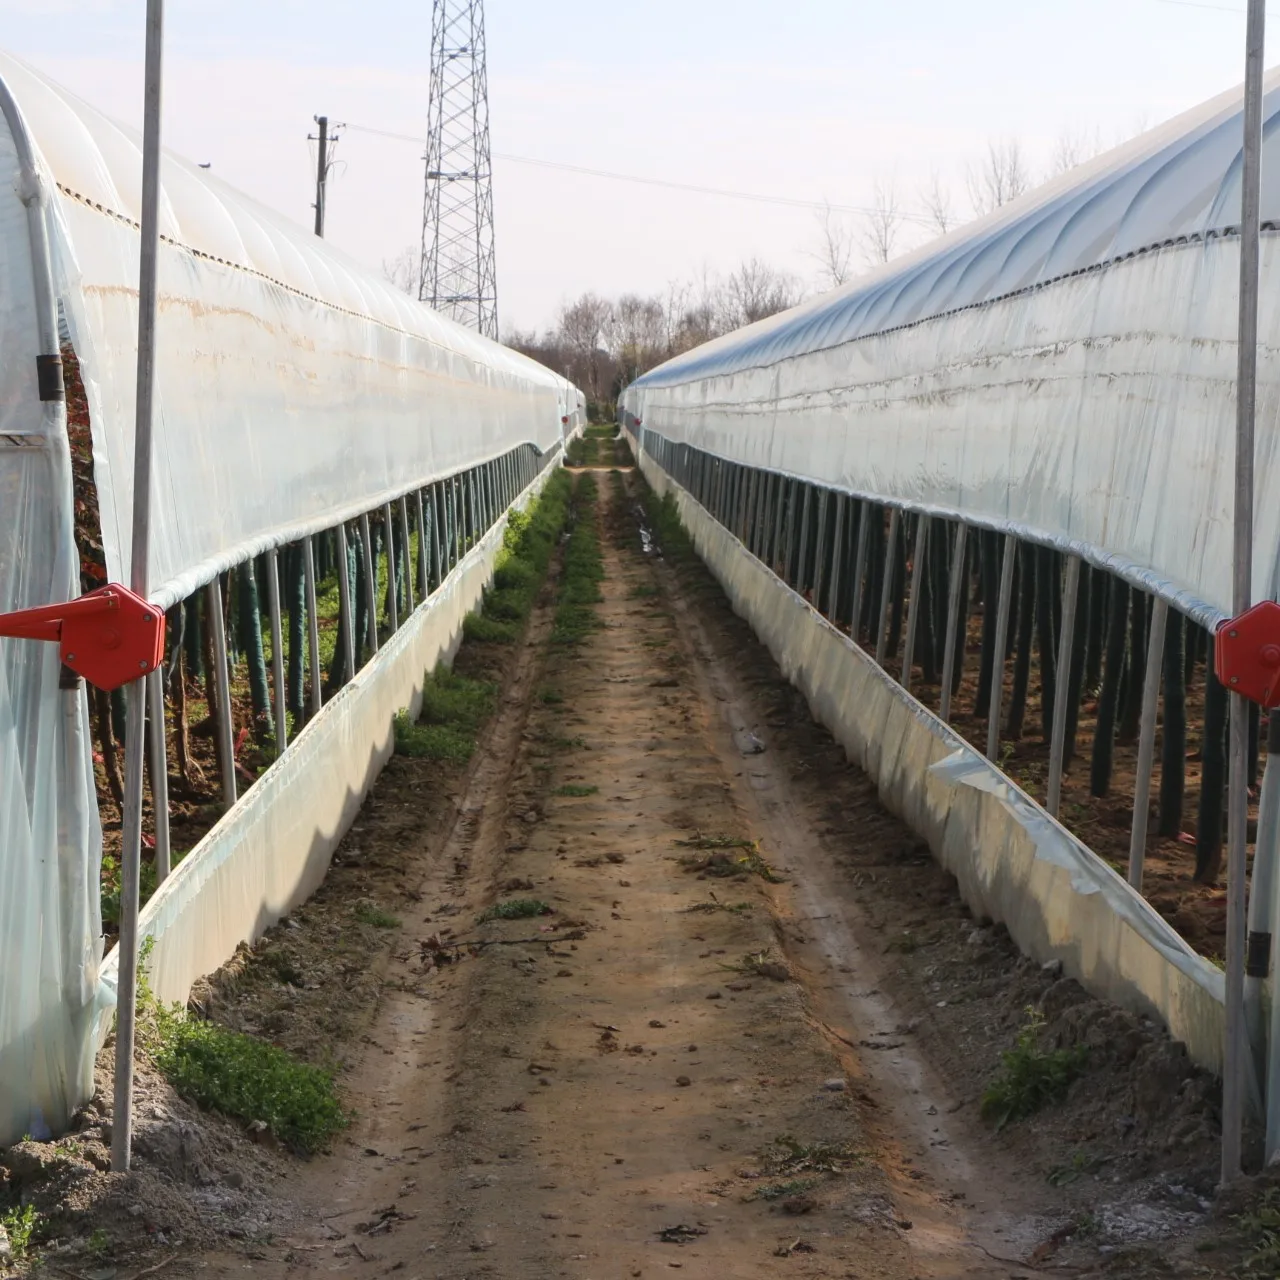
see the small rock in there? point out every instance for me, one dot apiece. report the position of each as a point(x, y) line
point(1052, 967)
point(715, 995)
point(6, 1249)
point(683, 1081)
point(653, 1022)
point(834, 1086)
point(234, 1179)
point(693, 1048)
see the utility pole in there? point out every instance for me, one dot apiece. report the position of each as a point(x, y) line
point(458, 274)
point(324, 162)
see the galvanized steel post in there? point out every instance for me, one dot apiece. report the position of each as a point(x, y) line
point(139, 554)
point(1066, 646)
point(886, 587)
point(913, 603)
point(313, 625)
point(1146, 742)
point(277, 650)
point(998, 654)
point(1235, 1049)
point(955, 591)
point(859, 570)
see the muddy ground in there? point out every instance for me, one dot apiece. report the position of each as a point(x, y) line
point(725, 1075)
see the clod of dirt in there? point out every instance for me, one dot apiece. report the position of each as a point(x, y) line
point(653, 1022)
point(683, 1081)
point(834, 1086)
point(797, 1205)
point(680, 1234)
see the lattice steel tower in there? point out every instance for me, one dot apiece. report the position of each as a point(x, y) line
point(458, 275)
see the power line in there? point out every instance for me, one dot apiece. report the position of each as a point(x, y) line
point(756, 196)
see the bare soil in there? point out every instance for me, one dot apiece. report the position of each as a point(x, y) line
point(684, 1066)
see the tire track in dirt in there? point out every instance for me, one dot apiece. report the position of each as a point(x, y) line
point(619, 1088)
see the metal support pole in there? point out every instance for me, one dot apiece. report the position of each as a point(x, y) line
point(408, 556)
point(886, 588)
point(394, 609)
point(437, 533)
point(859, 569)
point(1146, 741)
point(913, 603)
point(346, 619)
point(424, 547)
point(955, 591)
point(277, 650)
point(1066, 644)
point(159, 772)
point(370, 583)
point(222, 689)
point(1235, 1050)
point(997, 656)
point(837, 559)
point(820, 574)
point(779, 503)
point(313, 625)
point(139, 555)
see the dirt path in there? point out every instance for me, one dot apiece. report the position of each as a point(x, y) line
point(674, 1070)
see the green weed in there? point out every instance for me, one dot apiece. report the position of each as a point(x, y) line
point(582, 572)
point(453, 709)
point(238, 1075)
point(1261, 1228)
point(550, 697)
point(1030, 1077)
point(20, 1224)
point(372, 914)
point(248, 1079)
point(575, 789)
point(515, 909)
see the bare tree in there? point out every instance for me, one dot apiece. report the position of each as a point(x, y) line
point(936, 202)
point(834, 252)
point(583, 326)
point(1000, 177)
point(637, 335)
point(755, 291)
point(1072, 149)
point(403, 270)
point(882, 223)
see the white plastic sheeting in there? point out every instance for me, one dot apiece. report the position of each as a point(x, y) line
point(1064, 368)
point(294, 390)
point(272, 850)
point(1012, 861)
point(48, 816)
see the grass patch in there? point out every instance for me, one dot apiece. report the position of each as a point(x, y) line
point(583, 570)
point(528, 543)
point(1030, 1077)
point(1261, 1229)
point(782, 1190)
point(238, 1075)
point(575, 789)
point(372, 914)
point(248, 1079)
point(550, 697)
point(19, 1225)
point(453, 709)
point(515, 909)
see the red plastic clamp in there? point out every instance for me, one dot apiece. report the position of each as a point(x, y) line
point(1247, 654)
point(110, 636)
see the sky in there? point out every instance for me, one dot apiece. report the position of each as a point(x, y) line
point(812, 99)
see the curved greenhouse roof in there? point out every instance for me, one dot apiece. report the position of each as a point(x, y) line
point(1177, 183)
